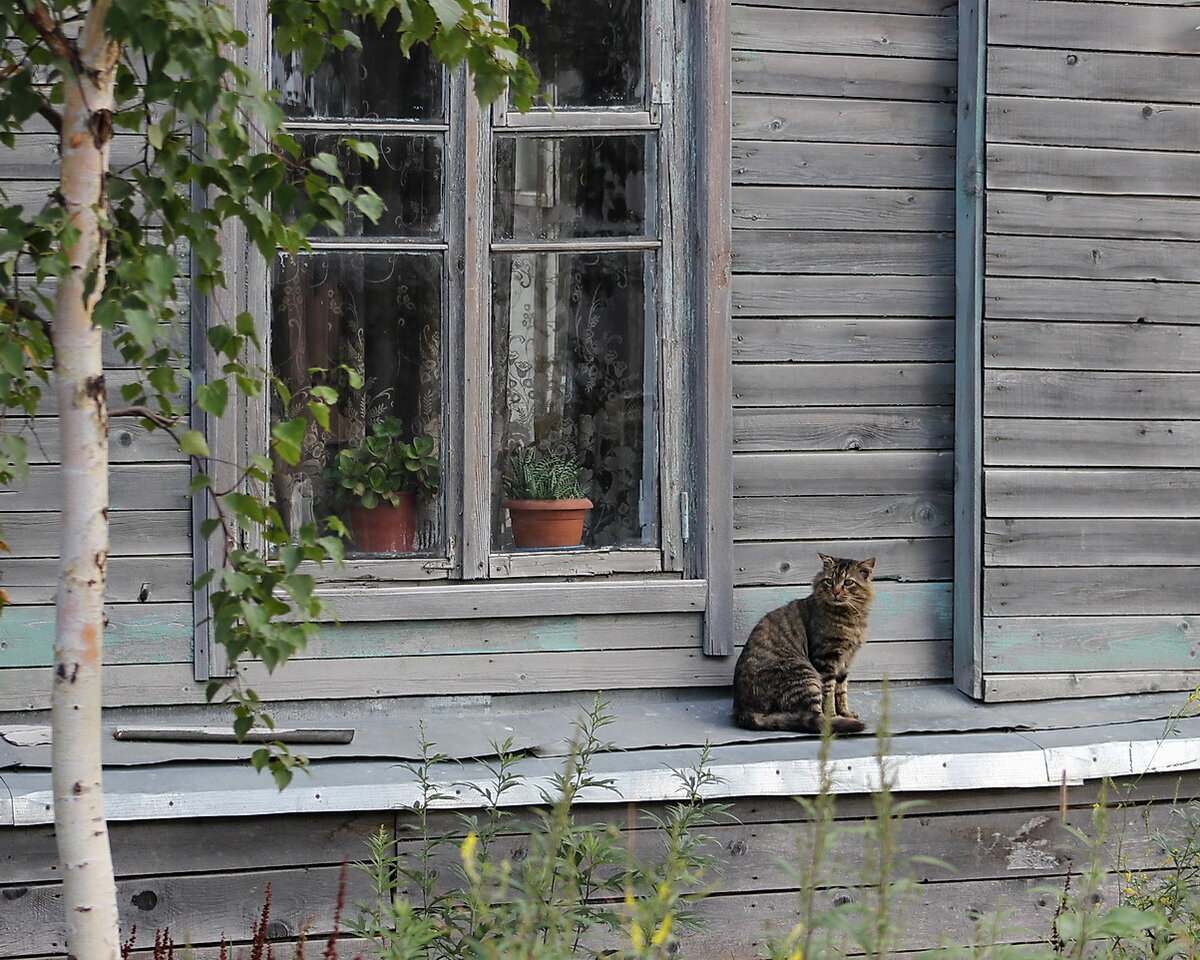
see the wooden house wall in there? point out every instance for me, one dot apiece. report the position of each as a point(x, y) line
point(150, 564)
point(843, 303)
point(984, 850)
point(1091, 349)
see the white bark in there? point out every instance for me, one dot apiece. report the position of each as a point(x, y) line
point(89, 892)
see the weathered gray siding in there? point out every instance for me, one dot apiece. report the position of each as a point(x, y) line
point(984, 850)
point(150, 566)
point(843, 304)
point(1091, 349)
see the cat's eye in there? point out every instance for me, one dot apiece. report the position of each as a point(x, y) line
point(850, 583)
point(827, 581)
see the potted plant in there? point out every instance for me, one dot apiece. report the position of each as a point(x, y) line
point(377, 482)
point(546, 501)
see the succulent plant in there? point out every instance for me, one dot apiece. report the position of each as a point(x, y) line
point(384, 465)
point(542, 475)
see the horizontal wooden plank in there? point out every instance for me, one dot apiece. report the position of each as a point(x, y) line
point(1018, 166)
point(843, 339)
point(820, 75)
point(826, 384)
point(131, 685)
point(773, 295)
point(35, 156)
point(1089, 644)
point(858, 34)
point(999, 688)
point(131, 486)
point(843, 251)
point(935, 914)
point(1089, 591)
point(114, 380)
point(1123, 301)
point(807, 165)
point(133, 532)
point(474, 601)
point(1064, 215)
point(859, 473)
point(1092, 493)
point(901, 611)
point(757, 518)
point(842, 120)
point(1080, 542)
point(1024, 344)
point(530, 634)
point(1091, 443)
point(139, 638)
point(166, 847)
point(843, 428)
point(152, 579)
point(1091, 393)
point(929, 8)
point(198, 909)
point(1142, 125)
point(1090, 75)
point(1093, 258)
point(795, 561)
point(128, 441)
point(136, 633)
point(1091, 26)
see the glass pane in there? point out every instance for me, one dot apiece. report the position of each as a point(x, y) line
point(380, 315)
point(573, 362)
point(408, 179)
point(375, 83)
point(568, 187)
point(587, 53)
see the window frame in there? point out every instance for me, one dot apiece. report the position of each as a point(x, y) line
point(695, 449)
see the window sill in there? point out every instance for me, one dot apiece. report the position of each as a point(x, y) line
point(354, 602)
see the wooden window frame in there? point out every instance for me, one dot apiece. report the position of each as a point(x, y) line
point(695, 458)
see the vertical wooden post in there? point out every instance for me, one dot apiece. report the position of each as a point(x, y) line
point(968, 357)
point(714, 186)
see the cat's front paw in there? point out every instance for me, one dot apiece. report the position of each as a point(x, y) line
point(848, 714)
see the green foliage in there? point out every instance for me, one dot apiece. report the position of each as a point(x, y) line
point(214, 158)
point(542, 475)
point(383, 465)
point(543, 882)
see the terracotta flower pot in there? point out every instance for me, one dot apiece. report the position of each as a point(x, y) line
point(384, 528)
point(548, 523)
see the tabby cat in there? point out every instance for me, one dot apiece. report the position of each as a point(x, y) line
point(798, 656)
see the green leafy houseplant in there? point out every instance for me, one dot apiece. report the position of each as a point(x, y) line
point(376, 481)
point(546, 500)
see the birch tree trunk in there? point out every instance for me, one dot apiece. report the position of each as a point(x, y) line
point(89, 891)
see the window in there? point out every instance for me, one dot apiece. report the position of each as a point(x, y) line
point(525, 288)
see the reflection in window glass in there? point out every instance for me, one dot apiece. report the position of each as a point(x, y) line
point(570, 187)
point(375, 83)
point(408, 180)
point(569, 354)
point(378, 314)
point(587, 53)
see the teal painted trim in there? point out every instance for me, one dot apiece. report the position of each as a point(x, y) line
point(970, 229)
point(901, 611)
point(161, 633)
point(1076, 645)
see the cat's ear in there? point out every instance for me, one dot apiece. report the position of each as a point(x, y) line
point(868, 564)
point(828, 561)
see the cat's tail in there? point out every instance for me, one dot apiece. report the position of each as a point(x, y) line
point(798, 722)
